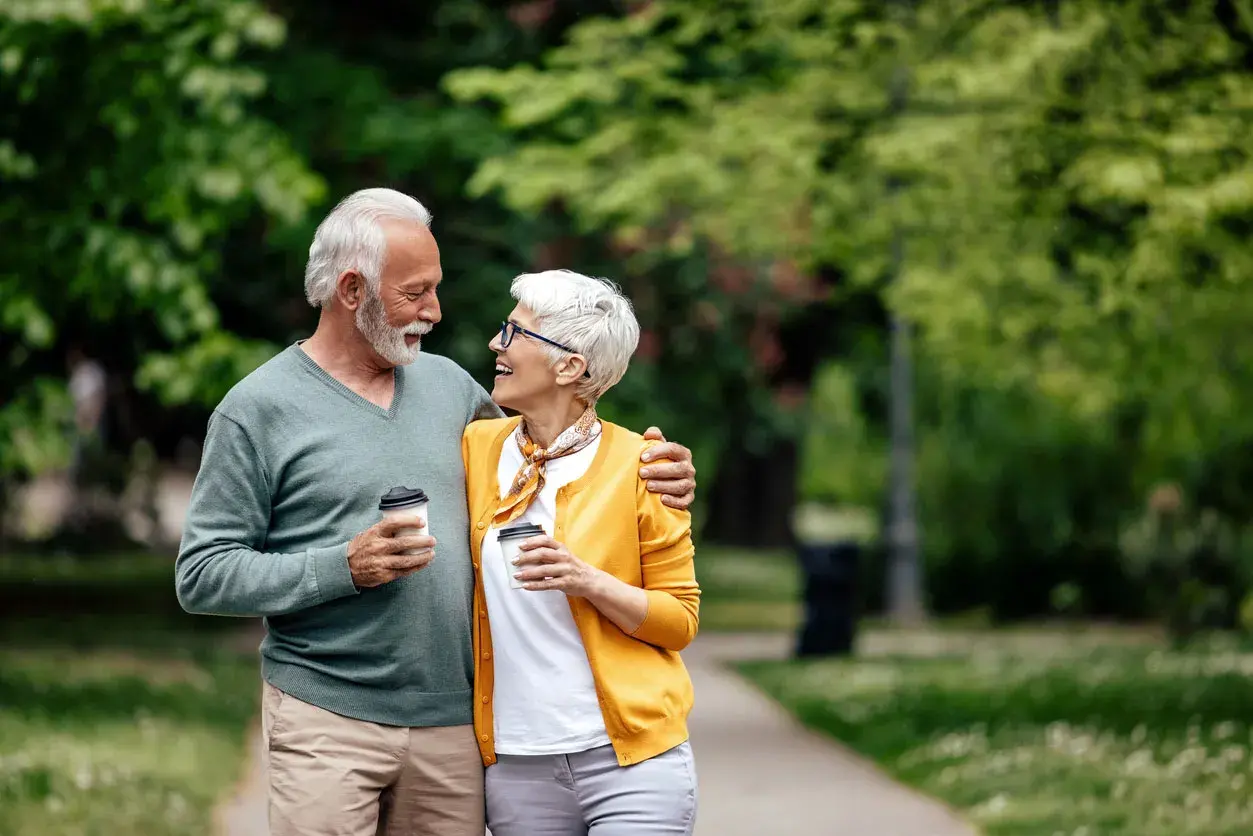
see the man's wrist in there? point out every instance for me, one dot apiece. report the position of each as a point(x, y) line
point(332, 573)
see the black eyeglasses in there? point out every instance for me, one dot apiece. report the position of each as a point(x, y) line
point(509, 329)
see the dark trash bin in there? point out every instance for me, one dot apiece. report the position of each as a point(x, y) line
point(830, 576)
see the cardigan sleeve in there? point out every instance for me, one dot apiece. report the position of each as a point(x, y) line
point(669, 573)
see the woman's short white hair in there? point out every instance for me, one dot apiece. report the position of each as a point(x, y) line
point(351, 238)
point(589, 315)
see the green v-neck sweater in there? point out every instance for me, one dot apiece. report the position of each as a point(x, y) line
point(293, 466)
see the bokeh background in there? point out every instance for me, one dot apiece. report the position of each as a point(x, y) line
point(959, 287)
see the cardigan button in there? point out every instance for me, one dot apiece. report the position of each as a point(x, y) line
point(484, 699)
point(483, 738)
point(480, 526)
point(487, 655)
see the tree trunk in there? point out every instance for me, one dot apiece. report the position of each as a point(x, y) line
point(904, 587)
point(753, 496)
point(755, 492)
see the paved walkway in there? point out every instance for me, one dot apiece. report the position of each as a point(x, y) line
point(246, 813)
point(760, 772)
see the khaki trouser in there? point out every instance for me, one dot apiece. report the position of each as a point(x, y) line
point(334, 775)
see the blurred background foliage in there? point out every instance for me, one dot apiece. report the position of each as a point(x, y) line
point(1068, 185)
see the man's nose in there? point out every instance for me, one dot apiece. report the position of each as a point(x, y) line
point(432, 313)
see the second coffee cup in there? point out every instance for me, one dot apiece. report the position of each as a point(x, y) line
point(510, 539)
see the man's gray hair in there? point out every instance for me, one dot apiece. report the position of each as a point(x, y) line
point(589, 315)
point(351, 238)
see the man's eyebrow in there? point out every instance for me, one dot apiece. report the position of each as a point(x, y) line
point(418, 286)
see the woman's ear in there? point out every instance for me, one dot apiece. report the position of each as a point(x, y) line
point(350, 288)
point(572, 369)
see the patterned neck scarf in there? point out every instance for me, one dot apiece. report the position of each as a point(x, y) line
point(529, 480)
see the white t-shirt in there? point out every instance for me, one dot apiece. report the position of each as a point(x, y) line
point(544, 697)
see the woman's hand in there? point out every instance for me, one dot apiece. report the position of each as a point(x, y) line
point(543, 563)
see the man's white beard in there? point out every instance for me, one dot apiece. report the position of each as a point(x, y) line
point(386, 339)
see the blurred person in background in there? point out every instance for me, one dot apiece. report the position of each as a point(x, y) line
point(581, 696)
point(88, 387)
point(367, 657)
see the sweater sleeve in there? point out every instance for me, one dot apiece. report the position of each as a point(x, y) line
point(669, 573)
point(482, 407)
point(220, 568)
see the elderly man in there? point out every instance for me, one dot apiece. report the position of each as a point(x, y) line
point(367, 658)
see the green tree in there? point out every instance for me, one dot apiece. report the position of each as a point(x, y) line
point(1079, 206)
point(1069, 183)
point(129, 146)
point(708, 133)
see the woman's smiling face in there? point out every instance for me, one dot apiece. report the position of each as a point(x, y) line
point(525, 375)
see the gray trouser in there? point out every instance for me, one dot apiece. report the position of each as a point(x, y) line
point(589, 794)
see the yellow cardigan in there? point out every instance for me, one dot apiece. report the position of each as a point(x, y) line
point(610, 521)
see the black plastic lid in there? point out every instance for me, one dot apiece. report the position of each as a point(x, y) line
point(521, 530)
point(401, 498)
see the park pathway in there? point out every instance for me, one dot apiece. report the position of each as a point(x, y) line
point(760, 771)
point(245, 813)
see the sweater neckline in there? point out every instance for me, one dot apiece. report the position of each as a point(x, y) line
point(398, 385)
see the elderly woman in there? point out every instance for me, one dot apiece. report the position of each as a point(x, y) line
point(581, 699)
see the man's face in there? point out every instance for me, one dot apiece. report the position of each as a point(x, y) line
point(406, 307)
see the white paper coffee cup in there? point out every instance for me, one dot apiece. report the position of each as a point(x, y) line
point(510, 539)
point(407, 503)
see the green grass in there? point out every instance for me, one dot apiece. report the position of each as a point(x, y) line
point(743, 590)
point(118, 714)
point(1060, 736)
point(144, 570)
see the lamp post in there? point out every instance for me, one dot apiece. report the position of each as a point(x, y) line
point(904, 582)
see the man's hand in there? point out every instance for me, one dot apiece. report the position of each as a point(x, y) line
point(543, 563)
point(377, 555)
point(674, 479)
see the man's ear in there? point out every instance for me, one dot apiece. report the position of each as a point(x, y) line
point(350, 289)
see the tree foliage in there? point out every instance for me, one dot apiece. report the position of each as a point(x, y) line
point(129, 146)
point(1068, 184)
point(1084, 228)
point(1073, 178)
